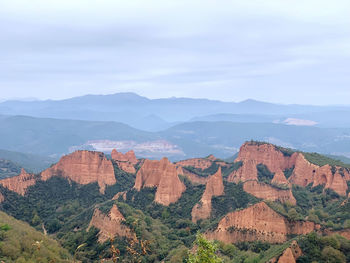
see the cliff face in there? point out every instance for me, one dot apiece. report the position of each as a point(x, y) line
point(110, 225)
point(214, 187)
point(258, 222)
point(194, 178)
point(289, 255)
point(125, 161)
point(199, 163)
point(83, 167)
point(164, 176)
point(307, 173)
point(268, 192)
point(304, 172)
point(19, 183)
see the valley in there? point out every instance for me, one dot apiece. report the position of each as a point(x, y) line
point(266, 205)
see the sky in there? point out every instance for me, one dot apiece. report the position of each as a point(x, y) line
point(290, 51)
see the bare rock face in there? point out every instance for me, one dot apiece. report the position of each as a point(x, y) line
point(246, 172)
point(289, 255)
point(251, 154)
point(120, 194)
point(307, 173)
point(164, 176)
point(199, 163)
point(268, 192)
point(83, 167)
point(258, 222)
point(194, 178)
point(126, 161)
point(19, 183)
point(2, 199)
point(266, 154)
point(127, 157)
point(214, 187)
point(110, 225)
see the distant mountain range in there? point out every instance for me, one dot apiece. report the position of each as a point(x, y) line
point(54, 137)
point(178, 128)
point(159, 114)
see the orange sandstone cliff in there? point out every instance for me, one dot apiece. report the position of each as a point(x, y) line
point(110, 225)
point(83, 167)
point(268, 192)
point(199, 163)
point(19, 183)
point(214, 187)
point(126, 161)
point(258, 222)
point(251, 154)
point(164, 176)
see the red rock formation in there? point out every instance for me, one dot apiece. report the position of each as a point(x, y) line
point(194, 178)
point(116, 196)
point(266, 154)
point(304, 173)
point(307, 173)
point(126, 161)
point(163, 175)
point(246, 172)
point(268, 192)
point(127, 157)
point(280, 179)
point(258, 222)
point(344, 233)
point(289, 255)
point(83, 167)
point(110, 225)
point(19, 183)
point(214, 187)
point(199, 163)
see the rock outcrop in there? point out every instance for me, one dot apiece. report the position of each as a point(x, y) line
point(19, 183)
point(83, 167)
point(307, 173)
point(199, 163)
point(110, 225)
point(126, 161)
point(269, 192)
point(2, 198)
point(258, 222)
point(252, 154)
point(164, 176)
point(289, 255)
point(194, 178)
point(214, 187)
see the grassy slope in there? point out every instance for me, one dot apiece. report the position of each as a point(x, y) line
point(20, 243)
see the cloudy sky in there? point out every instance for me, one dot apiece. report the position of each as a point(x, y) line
point(290, 51)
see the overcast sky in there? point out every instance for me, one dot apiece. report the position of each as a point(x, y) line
point(286, 51)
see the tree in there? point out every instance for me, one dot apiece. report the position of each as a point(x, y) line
point(205, 253)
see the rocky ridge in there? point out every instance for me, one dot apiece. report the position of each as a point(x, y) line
point(83, 167)
point(126, 161)
point(110, 225)
point(19, 183)
point(259, 222)
point(214, 187)
point(164, 176)
point(277, 161)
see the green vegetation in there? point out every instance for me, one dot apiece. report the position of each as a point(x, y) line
point(21, 243)
point(264, 174)
point(234, 198)
point(324, 249)
point(321, 160)
point(206, 252)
